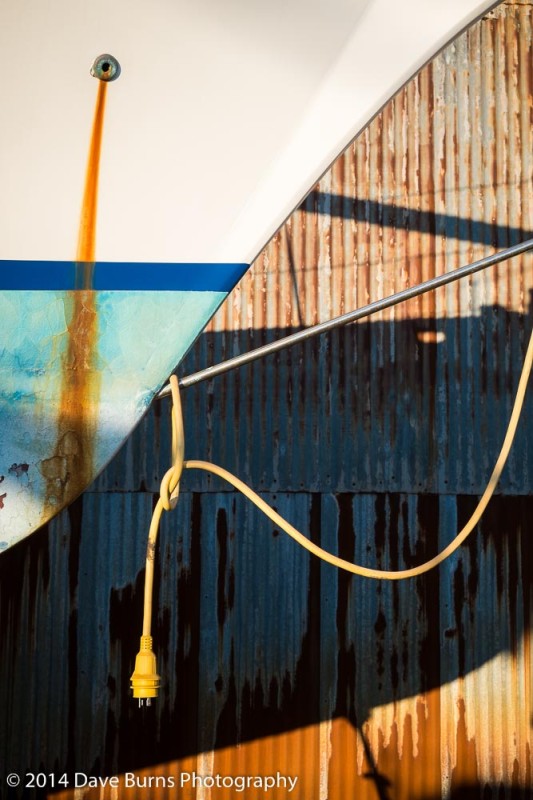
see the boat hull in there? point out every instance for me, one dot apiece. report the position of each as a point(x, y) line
point(81, 366)
point(221, 118)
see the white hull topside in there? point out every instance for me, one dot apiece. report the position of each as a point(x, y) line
point(225, 114)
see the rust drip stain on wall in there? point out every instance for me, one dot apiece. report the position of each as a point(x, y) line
point(68, 471)
point(465, 769)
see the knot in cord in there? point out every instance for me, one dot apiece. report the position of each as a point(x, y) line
point(170, 485)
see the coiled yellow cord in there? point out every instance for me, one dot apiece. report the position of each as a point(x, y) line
point(170, 489)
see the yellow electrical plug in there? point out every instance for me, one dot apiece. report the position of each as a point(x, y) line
point(145, 681)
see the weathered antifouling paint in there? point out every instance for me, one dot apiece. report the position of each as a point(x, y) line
point(375, 440)
point(42, 454)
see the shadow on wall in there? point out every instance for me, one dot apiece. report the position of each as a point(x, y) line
point(415, 405)
point(255, 638)
point(390, 215)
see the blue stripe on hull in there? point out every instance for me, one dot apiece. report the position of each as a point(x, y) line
point(118, 276)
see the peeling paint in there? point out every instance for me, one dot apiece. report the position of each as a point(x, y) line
point(18, 470)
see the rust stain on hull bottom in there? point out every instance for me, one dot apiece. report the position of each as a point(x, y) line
point(70, 468)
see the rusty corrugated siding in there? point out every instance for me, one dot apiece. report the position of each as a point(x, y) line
point(440, 178)
point(269, 657)
point(376, 440)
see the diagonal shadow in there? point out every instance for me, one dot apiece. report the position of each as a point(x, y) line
point(389, 215)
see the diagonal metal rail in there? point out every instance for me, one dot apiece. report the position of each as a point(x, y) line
point(351, 316)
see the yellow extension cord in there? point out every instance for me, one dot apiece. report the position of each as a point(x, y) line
point(169, 495)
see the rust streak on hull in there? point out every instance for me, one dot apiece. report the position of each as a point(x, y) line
point(69, 469)
point(87, 233)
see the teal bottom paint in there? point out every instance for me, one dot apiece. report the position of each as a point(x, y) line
point(140, 338)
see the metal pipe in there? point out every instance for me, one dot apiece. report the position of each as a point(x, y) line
point(351, 316)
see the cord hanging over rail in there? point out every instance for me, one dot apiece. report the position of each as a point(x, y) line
point(145, 680)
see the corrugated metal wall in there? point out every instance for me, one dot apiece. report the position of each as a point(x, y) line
point(376, 440)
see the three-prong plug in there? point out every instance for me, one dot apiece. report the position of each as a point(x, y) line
point(145, 681)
